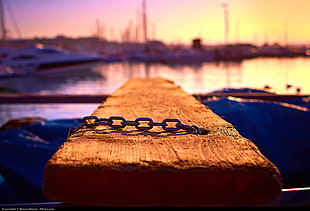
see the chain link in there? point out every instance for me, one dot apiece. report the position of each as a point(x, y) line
point(122, 123)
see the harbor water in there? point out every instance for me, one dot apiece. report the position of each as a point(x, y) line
point(282, 75)
point(278, 129)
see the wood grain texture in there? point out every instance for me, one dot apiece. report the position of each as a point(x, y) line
point(128, 167)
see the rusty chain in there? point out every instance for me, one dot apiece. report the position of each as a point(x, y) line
point(111, 121)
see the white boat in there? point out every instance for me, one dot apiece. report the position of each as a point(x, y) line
point(37, 60)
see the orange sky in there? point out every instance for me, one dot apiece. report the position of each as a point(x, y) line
point(171, 21)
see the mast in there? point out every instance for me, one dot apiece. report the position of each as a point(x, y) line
point(138, 33)
point(2, 25)
point(237, 31)
point(144, 18)
point(285, 34)
point(225, 8)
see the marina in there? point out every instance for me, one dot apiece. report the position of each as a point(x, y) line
point(146, 109)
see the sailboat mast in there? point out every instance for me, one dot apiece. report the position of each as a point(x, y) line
point(144, 21)
point(2, 25)
point(225, 8)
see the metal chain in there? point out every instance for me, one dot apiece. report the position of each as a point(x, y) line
point(94, 120)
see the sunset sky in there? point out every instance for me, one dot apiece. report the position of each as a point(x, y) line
point(171, 21)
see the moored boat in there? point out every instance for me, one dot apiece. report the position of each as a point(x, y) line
point(46, 59)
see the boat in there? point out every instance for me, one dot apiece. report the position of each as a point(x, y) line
point(46, 59)
point(189, 56)
point(39, 59)
point(277, 126)
point(7, 71)
point(156, 51)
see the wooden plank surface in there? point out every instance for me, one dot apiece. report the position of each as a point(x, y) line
point(129, 167)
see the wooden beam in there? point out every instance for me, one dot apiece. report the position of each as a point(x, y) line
point(128, 167)
point(52, 98)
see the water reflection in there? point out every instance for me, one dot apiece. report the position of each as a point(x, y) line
point(192, 78)
point(277, 72)
point(67, 82)
point(206, 77)
point(105, 78)
point(47, 111)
